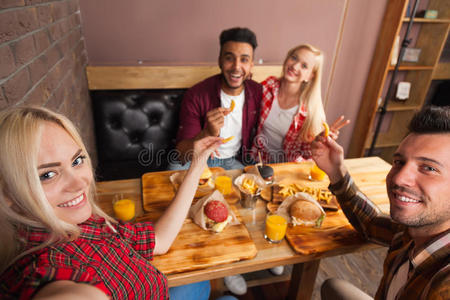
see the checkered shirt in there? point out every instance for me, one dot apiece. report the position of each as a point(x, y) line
point(118, 263)
point(294, 149)
point(429, 273)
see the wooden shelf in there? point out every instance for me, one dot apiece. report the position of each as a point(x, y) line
point(395, 105)
point(442, 71)
point(411, 68)
point(430, 36)
point(431, 21)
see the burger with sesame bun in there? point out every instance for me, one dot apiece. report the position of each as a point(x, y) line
point(216, 215)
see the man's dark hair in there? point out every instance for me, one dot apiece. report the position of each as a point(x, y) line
point(431, 119)
point(238, 34)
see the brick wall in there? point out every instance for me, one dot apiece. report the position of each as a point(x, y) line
point(43, 59)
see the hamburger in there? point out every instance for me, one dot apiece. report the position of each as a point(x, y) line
point(205, 184)
point(306, 213)
point(216, 215)
point(206, 178)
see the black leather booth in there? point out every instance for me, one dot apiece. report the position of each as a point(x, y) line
point(135, 131)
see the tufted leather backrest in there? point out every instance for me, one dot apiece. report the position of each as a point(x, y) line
point(135, 130)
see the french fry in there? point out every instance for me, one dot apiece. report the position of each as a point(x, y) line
point(326, 129)
point(250, 186)
point(318, 193)
point(227, 139)
point(232, 105)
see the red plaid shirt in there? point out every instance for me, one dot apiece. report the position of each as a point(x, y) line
point(117, 263)
point(294, 149)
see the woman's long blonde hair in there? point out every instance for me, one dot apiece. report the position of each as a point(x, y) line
point(22, 200)
point(311, 96)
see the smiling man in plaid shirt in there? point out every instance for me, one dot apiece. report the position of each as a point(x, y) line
point(418, 231)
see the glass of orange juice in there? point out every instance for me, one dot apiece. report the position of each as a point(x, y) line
point(124, 209)
point(316, 173)
point(276, 226)
point(223, 184)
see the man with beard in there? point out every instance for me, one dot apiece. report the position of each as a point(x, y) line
point(417, 231)
point(225, 105)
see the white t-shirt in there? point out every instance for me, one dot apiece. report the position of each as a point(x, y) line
point(275, 128)
point(232, 125)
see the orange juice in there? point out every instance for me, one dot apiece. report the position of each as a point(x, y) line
point(124, 209)
point(316, 173)
point(275, 228)
point(223, 184)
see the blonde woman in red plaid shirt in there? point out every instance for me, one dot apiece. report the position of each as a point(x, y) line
point(56, 243)
point(292, 113)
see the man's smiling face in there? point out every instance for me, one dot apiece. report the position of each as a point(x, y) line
point(418, 184)
point(236, 62)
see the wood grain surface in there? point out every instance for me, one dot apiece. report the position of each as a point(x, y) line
point(194, 248)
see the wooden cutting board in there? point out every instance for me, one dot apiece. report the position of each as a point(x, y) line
point(157, 190)
point(203, 248)
point(335, 232)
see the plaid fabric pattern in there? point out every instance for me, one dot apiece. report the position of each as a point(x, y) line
point(294, 149)
point(118, 262)
point(429, 276)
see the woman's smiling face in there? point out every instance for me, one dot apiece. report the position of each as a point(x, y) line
point(64, 174)
point(299, 66)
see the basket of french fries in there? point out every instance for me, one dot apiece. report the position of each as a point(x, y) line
point(250, 187)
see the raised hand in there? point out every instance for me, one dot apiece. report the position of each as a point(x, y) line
point(329, 156)
point(337, 124)
point(215, 120)
point(204, 147)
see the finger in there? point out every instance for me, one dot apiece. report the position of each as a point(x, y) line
point(215, 114)
point(320, 138)
point(337, 121)
point(322, 134)
point(345, 123)
point(334, 134)
point(222, 110)
point(216, 123)
point(226, 111)
point(332, 144)
point(212, 141)
point(208, 142)
point(214, 117)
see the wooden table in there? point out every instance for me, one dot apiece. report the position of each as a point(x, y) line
point(368, 173)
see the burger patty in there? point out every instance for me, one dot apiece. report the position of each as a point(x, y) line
point(203, 181)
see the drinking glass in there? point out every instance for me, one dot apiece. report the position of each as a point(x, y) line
point(124, 208)
point(276, 226)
